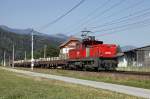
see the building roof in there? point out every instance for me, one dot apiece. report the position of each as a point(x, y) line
point(135, 49)
point(70, 39)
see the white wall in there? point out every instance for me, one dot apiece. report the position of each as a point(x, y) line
point(122, 62)
point(64, 53)
point(65, 50)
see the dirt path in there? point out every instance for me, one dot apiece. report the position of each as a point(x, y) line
point(145, 93)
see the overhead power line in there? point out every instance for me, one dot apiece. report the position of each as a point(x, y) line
point(110, 31)
point(132, 16)
point(104, 11)
point(125, 17)
point(100, 14)
point(121, 21)
point(125, 9)
point(90, 14)
point(62, 16)
point(122, 10)
point(126, 25)
point(125, 29)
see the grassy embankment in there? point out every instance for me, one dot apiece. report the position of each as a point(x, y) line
point(129, 80)
point(17, 86)
point(135, 68)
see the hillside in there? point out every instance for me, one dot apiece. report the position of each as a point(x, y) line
point(22, 43)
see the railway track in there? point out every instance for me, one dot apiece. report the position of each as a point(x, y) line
point(136, 73)
point(120, 72)
point(113, 72)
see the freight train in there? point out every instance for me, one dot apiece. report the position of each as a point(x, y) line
point(91, 54)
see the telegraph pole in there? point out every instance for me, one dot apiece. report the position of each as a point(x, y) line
point(4, 60)
point(9, 61)
point(45, 47)
point(13, 56)
point(25, 55)
point(32, 58)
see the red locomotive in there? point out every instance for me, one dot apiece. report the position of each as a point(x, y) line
point(93, 54)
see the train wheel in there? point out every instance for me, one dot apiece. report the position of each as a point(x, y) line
point(100, 69)
point(84, 68)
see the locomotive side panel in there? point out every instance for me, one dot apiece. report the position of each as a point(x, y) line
point(72, 54)
point(94, 51)
point(81, 53)
point(107, 50)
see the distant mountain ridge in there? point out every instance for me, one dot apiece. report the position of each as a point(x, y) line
point(28, 31)
point(59, 35)
point(18, 31)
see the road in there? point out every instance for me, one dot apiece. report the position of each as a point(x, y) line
point(140, 92)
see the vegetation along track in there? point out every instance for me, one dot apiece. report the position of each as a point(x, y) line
point(129, 73)
point(121, 72)
point(116, 72)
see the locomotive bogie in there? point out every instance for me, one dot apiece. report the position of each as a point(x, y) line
point(96, 64)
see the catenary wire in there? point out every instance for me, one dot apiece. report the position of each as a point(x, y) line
point(60, 17)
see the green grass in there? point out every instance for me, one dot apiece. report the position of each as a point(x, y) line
point(135, 68)
point(17, 86)
point(129, 80)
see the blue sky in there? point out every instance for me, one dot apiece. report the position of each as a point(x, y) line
point(23, 14)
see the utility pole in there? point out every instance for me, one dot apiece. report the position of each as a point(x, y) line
point(32, 58)
point(45, 47)
point(13, 56)
point(9, 61)
point(4, 60)
point(25, 55)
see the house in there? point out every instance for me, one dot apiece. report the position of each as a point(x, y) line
point(135, 57)
point(71, 43)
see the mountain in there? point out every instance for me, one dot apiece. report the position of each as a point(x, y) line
point(28, 31)
point(22, 42)
point(127, 48)
point(59, 35)
point(18, 31)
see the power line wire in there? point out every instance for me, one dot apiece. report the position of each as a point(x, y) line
point(125, 17)
point(122, 26)
point(132, 18)
point(100, 14)
point(103, 12)
point(123, 10)
point(127, 8)
point(128, 16)
point(125, 29)
point(140, 25)
point(92, 12)
point(62, 16)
